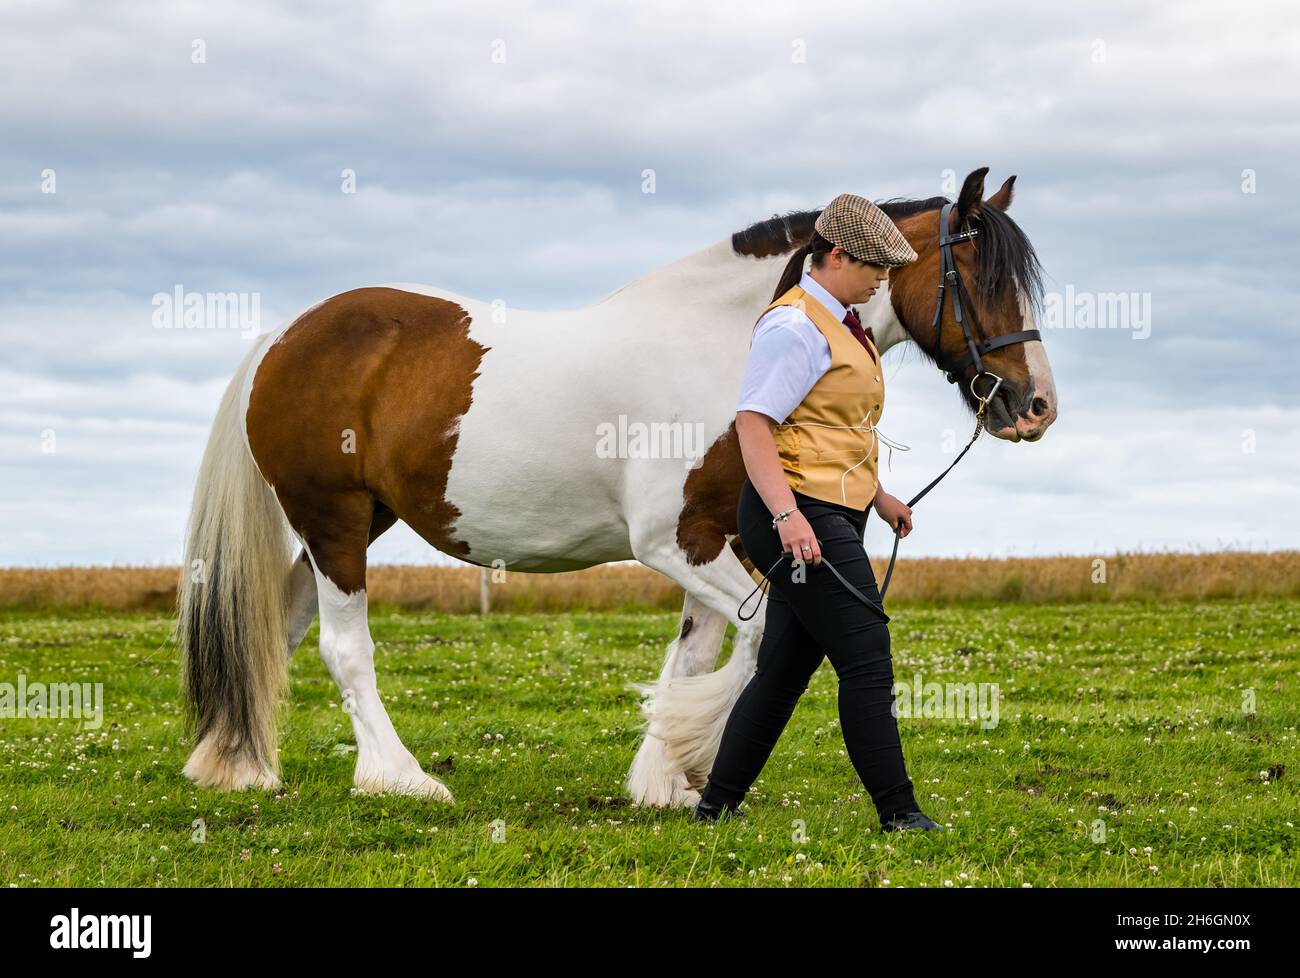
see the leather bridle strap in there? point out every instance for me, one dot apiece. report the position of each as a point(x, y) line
point(963, 309)
point(877, 608)
point(889, 571)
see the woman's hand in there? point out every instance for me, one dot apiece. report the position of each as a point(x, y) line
point(797, 538)
point(894, 511)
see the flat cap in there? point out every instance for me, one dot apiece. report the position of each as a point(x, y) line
point(864, 231)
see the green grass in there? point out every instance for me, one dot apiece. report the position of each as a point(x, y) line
point(1131, 714)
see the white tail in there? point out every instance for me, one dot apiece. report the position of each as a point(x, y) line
point(233, 599)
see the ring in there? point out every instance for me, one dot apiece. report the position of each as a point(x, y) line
point(805, 547)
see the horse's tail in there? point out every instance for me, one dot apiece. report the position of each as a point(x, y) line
point(231, 627)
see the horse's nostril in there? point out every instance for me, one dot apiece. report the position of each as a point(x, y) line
point(1038, 407)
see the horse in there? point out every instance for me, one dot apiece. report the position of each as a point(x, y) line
point(478, 425)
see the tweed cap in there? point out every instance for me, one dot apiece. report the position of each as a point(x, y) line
point(864, 231)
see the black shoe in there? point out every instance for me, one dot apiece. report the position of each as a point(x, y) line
point(912, 820)
point(705, 812)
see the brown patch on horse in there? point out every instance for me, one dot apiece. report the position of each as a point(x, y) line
point(711, 494)
point(353, 418)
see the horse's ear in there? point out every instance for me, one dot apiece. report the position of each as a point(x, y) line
point(972, 195)
point(1002, 199)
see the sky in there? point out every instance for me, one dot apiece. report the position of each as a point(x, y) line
point(295, 151)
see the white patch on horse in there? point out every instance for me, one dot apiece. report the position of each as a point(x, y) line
point(878, 315)
point(1041, 382)
point(527, 476)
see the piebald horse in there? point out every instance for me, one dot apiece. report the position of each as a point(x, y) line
point(477, 426)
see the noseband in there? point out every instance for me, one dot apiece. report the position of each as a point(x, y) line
point(964, 311)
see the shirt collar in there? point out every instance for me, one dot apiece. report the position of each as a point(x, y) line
point(818, 292)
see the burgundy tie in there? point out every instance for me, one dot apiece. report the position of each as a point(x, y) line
point(854, 324)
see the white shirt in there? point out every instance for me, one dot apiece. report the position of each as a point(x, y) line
point(788, 356)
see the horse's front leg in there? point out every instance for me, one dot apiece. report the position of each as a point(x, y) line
point(653, 780)
point(688, 706)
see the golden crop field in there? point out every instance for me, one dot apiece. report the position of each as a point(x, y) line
point(1115, 577)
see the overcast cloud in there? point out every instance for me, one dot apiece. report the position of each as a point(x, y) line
point(1155, 148)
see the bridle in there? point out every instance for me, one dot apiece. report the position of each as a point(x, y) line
point(964, 312)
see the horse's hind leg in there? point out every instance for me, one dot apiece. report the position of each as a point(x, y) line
point(338, 553)
point(302, 601)
point(302, 582)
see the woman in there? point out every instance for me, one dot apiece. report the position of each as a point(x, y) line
point(811, 397)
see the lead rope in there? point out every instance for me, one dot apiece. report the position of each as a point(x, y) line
point(889, 572)
point(979, 428)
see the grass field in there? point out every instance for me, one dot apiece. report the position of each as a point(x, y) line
point(1129, 719)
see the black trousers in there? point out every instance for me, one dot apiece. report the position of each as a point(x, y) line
point(807, 620)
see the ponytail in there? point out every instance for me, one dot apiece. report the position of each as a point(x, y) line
point(793, 271)
point(817, 246)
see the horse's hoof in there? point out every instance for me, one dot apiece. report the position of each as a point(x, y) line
point(686, 798)
point(210, 768)
point(413, 784)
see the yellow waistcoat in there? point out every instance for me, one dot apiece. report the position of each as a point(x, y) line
point(823, 462)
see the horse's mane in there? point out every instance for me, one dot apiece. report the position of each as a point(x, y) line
point(1002, 248)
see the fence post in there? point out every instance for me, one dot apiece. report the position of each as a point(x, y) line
point(484, 604)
